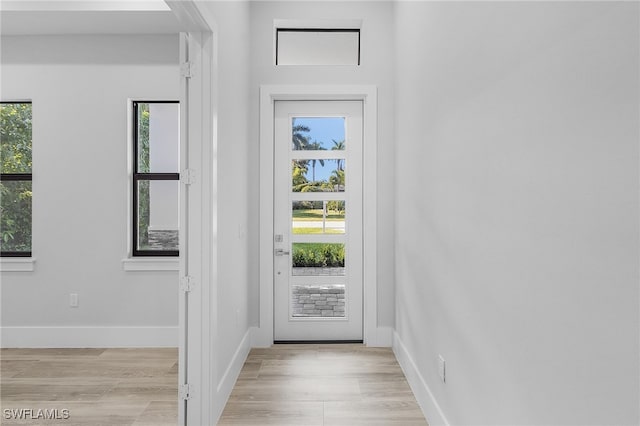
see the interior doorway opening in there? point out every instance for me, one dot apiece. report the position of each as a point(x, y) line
point(264, 335)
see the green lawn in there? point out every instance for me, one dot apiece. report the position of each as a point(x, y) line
point(315, 246)
point(316, 214)
point(317, 231)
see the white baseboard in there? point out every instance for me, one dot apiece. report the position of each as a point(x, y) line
point(261, 337)
point(89, 337)
point(430, 408)
point(381, 338)
point(230, 376)
point(228, 381)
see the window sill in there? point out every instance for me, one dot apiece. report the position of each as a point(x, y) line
point(17, 264)
point(151, 264)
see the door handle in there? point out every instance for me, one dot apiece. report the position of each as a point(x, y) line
point(281, 252)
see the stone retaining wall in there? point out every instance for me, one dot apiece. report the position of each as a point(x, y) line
point(318, 301)
point(163, 239)
point(298, 271)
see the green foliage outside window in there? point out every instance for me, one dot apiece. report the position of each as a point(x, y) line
point(15, 195)
point(318, 255)
point(15, 137)
point(143, 167)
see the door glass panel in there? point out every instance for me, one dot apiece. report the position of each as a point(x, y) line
point(318, 133)
point(318, 259)
point(326, 301)
point(318, 217)
point(318, 175)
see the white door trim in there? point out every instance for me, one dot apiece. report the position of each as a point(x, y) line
point(197, 245)
point(263, 336)
point(198, 203)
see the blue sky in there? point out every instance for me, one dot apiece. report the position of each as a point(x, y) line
point(323, 130)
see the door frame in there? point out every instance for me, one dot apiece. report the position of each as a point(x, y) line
point(367, 94)
point(198, 285)
point(197, 293)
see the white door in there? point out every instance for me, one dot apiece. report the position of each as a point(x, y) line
point(318, 214)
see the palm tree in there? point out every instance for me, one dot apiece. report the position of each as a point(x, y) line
point(337, 180)
point(309, 187)
point(300, 168)
point(338, 146)
point(299, 140)
point(298, 181)
point(318, 147)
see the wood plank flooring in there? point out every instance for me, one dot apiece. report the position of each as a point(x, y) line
point(132, 387)
point(299, 385)
point(330, 385)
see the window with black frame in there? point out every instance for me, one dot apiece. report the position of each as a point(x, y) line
point(15, 179)
point(156, 178)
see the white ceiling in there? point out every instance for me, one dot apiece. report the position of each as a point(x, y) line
point(57, 17)
point(76, 5)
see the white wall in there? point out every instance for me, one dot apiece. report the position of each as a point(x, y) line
point(230, 24)
point(375, 69)
point(517, 209)
point(233, 178)
point(79, 86)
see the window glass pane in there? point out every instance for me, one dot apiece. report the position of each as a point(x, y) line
point(15, 137)
point(318, 259)
point(158, 215)
point(317, 47)
point(158, 137)
point(15, 216)
point(325, 301)
point(318, 133)
point(318, 217)
point(318, 175)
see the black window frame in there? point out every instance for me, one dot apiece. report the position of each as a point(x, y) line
point(20, 177)
point(319, 30)
point(139, 176)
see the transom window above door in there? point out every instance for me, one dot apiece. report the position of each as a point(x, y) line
point(317, 46)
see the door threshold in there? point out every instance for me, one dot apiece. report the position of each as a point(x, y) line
point(308, 342)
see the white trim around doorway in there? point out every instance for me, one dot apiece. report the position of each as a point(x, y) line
point(263, 334)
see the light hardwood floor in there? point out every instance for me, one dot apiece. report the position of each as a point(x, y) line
point(133, 387)
point(300, 385)
point(341, 384)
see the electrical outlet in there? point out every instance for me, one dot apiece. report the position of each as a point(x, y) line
point(73, 300)
point(442, 371)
